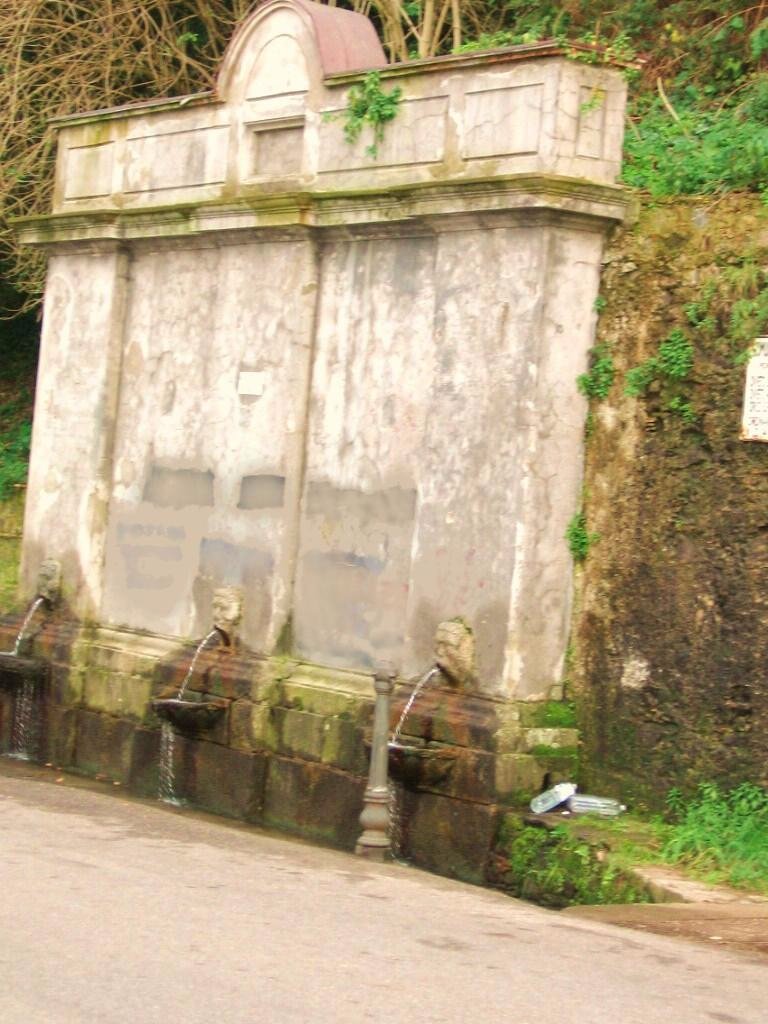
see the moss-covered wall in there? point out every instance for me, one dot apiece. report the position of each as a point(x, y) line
point(670, 633)
point(11, 517)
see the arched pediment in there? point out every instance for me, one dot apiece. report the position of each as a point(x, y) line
point(285, 46)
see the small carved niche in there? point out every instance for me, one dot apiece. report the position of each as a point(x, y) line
point(278, 147)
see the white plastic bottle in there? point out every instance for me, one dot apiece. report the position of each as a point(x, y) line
point(551, 798)
point(605, 806)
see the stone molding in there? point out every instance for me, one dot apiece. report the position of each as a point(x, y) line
point(404, 209)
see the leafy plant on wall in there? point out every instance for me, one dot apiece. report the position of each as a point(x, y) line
point(370, 105)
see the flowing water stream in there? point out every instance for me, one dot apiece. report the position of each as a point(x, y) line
point(25, 625)
point(407, 709)
point(205, 642)
point(166, 784)
point(396, 789)
point(25, 727)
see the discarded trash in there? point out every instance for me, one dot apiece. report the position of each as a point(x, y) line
point(575, 803)
point(605, 806)
point(551, 798)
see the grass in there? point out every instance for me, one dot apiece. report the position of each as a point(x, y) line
point(555, 714)
point(721, 836)
point(10, 549)
point(555, 868)
point(17, 377)
point(15, 434)
point(717, 836)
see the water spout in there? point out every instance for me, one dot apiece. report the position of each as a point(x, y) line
point(428, 675)
point(215, 634)
point(40, 600)
point(166, 787)
point(396, 789)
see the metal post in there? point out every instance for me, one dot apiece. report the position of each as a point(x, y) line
point(374, 841)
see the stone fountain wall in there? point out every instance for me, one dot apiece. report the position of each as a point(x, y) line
point(342, 383)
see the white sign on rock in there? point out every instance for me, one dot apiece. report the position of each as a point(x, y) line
point(754, 422)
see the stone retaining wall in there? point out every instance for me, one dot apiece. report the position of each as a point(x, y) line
point(291, 750)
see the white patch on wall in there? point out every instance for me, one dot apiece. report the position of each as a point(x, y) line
point(503, 121)
point(89, 171)
point(250, 384)
point(754, 421)
point(635, 674)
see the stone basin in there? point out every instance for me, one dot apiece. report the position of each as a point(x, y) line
point(15, 670)
point(415, 766)
point(190, 715)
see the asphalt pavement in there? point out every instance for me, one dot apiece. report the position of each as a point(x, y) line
point(118, 911)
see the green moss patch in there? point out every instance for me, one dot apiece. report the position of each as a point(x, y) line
point(10, 552)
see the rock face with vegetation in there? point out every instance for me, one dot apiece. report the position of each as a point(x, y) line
point(671, 631)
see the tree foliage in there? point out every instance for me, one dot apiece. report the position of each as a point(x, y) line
point(697, 121)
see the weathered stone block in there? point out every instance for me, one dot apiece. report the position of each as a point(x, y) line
point(319, 700)
point(168, 676)
point(103, 745)
point(518, 774)
point(6, 719)
point(343, 746)
point(59, 736)
point(509, 736)
point(265, 681)
point(221, 780)
point(117, 694)
point(251, 726)
point(121, 660)
point(212, 725)
point(452, 837)
point(53, 639)
point(67, 685)
point(567, 738)
point(228, 675)
point(464, 720)
point(473, 776)
point(145, 762)
point(314, 800)
point(301, 734)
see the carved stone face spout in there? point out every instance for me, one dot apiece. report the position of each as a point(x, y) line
point(49, 580)
point(455, 651)
point(227, 610)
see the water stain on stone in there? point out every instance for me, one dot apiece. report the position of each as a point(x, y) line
point(179, 488)
point(261, 492)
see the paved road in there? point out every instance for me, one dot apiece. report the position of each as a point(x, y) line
point(114, 911)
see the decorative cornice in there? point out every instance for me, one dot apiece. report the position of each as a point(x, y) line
point(337, 210)
point(138, 107)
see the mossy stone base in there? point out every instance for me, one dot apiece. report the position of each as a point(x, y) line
point(297, 757)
